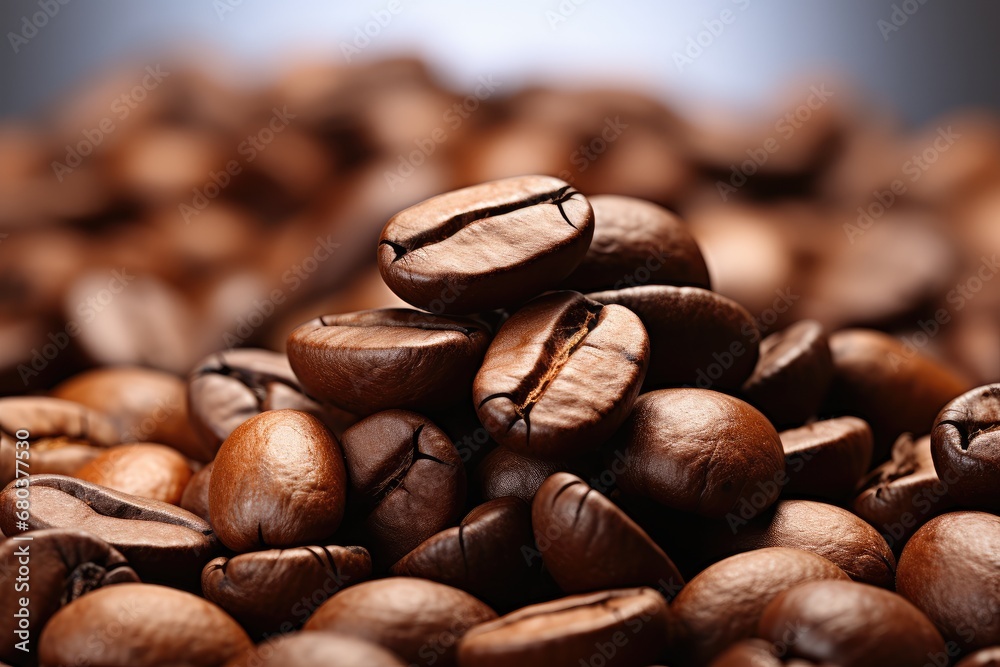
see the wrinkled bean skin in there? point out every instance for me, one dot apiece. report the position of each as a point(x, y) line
point(965, 447)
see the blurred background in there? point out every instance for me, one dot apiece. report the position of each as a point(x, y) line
point(178, 178)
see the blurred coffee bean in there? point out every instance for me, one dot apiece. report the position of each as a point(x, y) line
point(305, 649)
point(195, 496)
point(143, 469)
point(988, 657)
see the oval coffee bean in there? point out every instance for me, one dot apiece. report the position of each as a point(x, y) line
point(487, 246)
point(146, 405)
point(419, 620)
point(965, 445)
point(561, 375)
point(792, 375)
point(572, 630)
point(888, 385)
point(141, 625)
point(723, 604)
point(195, 497)
point(904, 493)
point(140, 469)
point(408, 479)
point(162, 542)
point(700, 451)
point(588, 544)
point(230, 387)
point(697, 337)
point(851, 625)
point(486, 555)
point(56, 567)
point(264, 590)
point(277, 481)
point(393, 358)
point(988, 657)
point(637, 242)
point(826, 459)
point(308, 649)
point(62, 435)
point(949, 569)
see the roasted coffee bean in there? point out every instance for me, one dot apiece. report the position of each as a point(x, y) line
point(637, 242)
point(278, 481)
point(988, 657)
point(723, 604)
point(307, 649)
point(141, 625)
point(230, 387)
point(826, 459)
point(561, 375)
point(700, 451)
point(421, 621)
point(904, 493)
point(195, 496)
point(142, 469)
point(895, 388)
point(631, 624)
point(718, 337)
point(506, 473)
point(61, 435)
point(949, 571)
point(965, 445)
point(792, 375)
point(381, 359)
point(490, 555)
point(408, 479)
point(853, 625)
point(588, 544)
point(163, 543)
point(145, 404)
point(272, 592)
point(49, 569)
point(487, 246)
point(753, 653)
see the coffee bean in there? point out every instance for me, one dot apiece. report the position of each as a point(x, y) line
point(272, 592)
point(61, 565)
point(230, 387)
point(561, 375)
point(966, 447)
point(408, 479)
point(753, 653)
point(700, 451)
point(394, 358)
point(717, 335)
point(306, 649)
point(145, 405)
point(988, 657)
point(723, 604)
point(195, 496)
point(62, 435)
point(825, 459)
point(141, 469)
point(163, 543)
point(792, 375)
point(588, 544)
point(833, 623)
point(949, 571)
point(896, 389)
point(904, 493)
point(419, 620)
point(504, 472)
point(637, 243)
point(489, 555)
point(487, 246)
point(278, 481)
point(141, 625)
point(626, 628)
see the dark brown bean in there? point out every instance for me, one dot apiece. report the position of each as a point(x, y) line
point(826, 459)
point(965, 445)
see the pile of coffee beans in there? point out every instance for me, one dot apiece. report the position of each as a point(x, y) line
point(332, 394)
